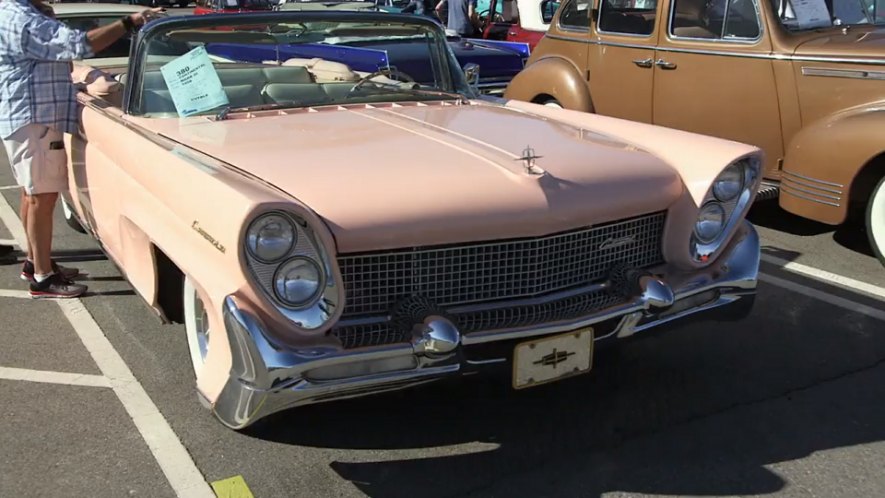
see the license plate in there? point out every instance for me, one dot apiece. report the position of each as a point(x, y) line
point(552, 358)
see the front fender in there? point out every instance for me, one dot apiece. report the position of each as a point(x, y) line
point(823, 159)
point(553, 76)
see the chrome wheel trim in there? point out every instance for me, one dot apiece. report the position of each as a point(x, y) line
point(196, 323)
point(876, 220)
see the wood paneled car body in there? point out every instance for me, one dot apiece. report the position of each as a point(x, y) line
point(806, 83)
point(329, 233)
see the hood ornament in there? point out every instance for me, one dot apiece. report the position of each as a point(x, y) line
point(528, 159)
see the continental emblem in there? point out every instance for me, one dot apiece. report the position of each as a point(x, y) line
point(554, 358)
point(196, 227)
point(612, 243)
point(528, 161)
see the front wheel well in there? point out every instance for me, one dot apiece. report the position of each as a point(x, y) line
point(864, 182)
point(170, 287)
point(543, 98)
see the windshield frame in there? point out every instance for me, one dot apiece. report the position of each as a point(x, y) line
point(447, 64)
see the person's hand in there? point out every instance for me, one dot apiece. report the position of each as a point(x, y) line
point(144, 16)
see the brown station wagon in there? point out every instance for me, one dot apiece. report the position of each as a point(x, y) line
point(802, 79)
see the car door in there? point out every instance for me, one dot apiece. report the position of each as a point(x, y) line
point(714, 74)
point(621, 63)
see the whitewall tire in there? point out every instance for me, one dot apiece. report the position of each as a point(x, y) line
point(553, 103)
point(196, 324)
point(876, 220)
point(71, 218)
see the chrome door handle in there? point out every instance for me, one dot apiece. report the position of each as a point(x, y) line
point(661, 63)
point(643, 62)
point(512, 33)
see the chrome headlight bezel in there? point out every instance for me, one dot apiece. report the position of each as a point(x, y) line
point(314, 312)
point(702, 250)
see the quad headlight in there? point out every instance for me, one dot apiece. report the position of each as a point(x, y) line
point(730, 183)
point(297, 281)
point(725, 204)
point(270, 237)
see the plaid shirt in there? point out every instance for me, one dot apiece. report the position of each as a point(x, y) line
point(35, 70)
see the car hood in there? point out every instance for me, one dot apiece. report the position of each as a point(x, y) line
point(859, 42)
point(419, 175)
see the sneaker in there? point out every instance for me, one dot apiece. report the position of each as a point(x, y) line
point(56, 286)
point(7, 254)
point(28, 271)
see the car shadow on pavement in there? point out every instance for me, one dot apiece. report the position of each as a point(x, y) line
point(700, 410)
point(851, 235)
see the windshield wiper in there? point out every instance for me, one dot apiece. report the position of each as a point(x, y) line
point(223, 113)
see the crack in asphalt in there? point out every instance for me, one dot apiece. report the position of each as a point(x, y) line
point(639, 434)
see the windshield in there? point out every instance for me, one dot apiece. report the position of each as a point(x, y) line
point(294, 60)
point(811, 14)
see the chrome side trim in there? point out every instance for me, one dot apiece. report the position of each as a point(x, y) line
point(815, 180)
point(781, 57)
point(810, 185)
point(812, 192)
point(786, 189)
point(843, 73)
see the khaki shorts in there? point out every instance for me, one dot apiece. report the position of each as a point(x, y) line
point(38, 159)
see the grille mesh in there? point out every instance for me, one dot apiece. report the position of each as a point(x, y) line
point(491, 319)
point(475, 273)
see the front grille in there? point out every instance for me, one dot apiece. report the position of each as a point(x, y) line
point(501, 270)
point(567, 308)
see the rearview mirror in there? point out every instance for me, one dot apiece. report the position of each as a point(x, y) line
point(471, 72)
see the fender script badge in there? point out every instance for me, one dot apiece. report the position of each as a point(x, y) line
point(196, 227)
point(528, 159)
point(612, 243)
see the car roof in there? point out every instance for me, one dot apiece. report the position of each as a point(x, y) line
point(72, 9)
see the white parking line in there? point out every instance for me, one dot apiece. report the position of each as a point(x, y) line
point(825, 276)
point(841, 302)
point(176, 463)
point(48, 377)
point(18, 294)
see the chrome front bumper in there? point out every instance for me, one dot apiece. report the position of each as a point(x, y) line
point(265, 379)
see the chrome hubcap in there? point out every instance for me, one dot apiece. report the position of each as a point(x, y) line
point(202, 327)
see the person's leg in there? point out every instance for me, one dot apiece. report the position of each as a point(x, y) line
point(39, 162)
point(23, 213)
point(39, 230)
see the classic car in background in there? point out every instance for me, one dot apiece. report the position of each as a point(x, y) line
point(232, 6)
point(523, 21)
point(325, 232)
point(803, 81)
point(496, 62)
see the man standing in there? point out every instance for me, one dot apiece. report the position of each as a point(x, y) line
point(37, 106)
point(462, 17)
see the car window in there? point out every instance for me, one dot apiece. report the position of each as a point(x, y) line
point(630, 17)
point(548, 9)
point(715, 19)
point(575, 15)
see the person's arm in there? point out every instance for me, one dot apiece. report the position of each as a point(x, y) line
point(472, 14)
point(50, 40)
point(439, 6)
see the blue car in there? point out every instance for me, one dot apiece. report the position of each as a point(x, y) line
point(499, 61)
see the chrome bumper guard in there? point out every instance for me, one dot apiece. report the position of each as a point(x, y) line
point(265, 379)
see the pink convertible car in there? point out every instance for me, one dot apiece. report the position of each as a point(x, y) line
point(324, 231)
